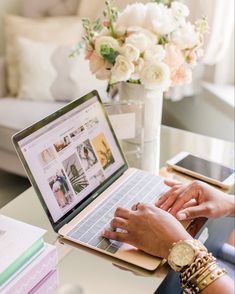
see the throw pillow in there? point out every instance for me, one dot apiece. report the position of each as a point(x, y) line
point(85, 9)
point(48, 73)
point(61, 30)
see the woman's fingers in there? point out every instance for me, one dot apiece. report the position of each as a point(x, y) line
point(187, 195)
point(172, 198)
point(192, 212)
point(163, 198)
point(190, 203)
point(118, 236)
point(171, 183)
point(174, 186)
point(119, 223)
point(122, 212)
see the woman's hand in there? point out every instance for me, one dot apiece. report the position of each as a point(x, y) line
point(197, 199)
point(148, 228)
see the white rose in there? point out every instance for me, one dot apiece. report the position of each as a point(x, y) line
point(120, 30)
point(139, 64)
point(130, 52)
point(159, 19)
point(106, 40)
point(132, 15)
point(152, 38)
point(179, 10)
point(185, 37)
point(122, 70)
point(138, 40)
point(156, 52)
point(155, 76)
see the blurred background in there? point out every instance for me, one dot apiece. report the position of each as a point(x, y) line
point(205, 107)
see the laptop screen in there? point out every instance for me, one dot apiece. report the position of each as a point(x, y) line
point(71, 155)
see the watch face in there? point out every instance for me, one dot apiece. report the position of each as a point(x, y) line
point(182, 254)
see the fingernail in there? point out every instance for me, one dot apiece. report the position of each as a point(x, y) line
point(103, 232)
point(181, 216)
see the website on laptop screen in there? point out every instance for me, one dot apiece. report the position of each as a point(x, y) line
point(71, 156)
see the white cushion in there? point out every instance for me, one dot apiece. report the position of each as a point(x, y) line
point(48, 73)
point(61, 30)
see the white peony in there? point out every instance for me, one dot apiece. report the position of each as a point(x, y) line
point(130, 52)
point(106, 40)
point(132, 15)
point(152, 38)
point(159, 19)
point(122, 70)
point(179, 10)
point(155, 76)
point(155, 52)
point(185, 37)
point(138, 40)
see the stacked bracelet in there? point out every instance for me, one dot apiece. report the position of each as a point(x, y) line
point(201, 273)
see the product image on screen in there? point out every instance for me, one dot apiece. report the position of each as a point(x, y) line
point(71, 156)
point(206, 168)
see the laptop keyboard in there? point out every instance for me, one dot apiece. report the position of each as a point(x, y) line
point(140, 187)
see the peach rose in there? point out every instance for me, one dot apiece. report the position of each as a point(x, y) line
point(89, 52)
point(182, 75)
point(174, 57)
point(99, 67)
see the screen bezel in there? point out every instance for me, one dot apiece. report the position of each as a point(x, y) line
point(97, 191)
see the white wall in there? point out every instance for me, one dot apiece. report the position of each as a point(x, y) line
point(11, 7)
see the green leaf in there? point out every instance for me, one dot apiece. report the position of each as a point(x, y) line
point(97, 25)
point(77, 50)
point(165, 2)
point(108, 53)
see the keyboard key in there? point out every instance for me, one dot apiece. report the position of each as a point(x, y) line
point(141, 187)
point(105, 243)
point(112, 249)
point(95, 240)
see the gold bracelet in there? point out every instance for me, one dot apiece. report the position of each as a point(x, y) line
point(215, 272)
point(198, 264)
point(207, 271)
point(194, 276)
point(210, 278)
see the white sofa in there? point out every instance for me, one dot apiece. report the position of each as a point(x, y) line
point(16, 114)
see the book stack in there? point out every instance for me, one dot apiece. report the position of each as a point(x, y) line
point(27, 263)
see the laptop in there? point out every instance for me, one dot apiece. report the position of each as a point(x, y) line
point(78, 170)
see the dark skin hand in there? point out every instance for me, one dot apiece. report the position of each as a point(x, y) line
point(159, 228)
point(197, 199)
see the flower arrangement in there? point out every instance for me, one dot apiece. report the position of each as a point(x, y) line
point(150, 44)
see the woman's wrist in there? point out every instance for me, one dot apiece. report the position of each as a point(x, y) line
point(197, 266)
point(231, 205)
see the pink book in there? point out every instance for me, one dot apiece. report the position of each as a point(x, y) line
point(36, 271)
point(48, 285)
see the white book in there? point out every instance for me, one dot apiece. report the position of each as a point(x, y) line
point(19, 242)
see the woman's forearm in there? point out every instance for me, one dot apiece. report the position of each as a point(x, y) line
point(232, 205)
point(222, 285)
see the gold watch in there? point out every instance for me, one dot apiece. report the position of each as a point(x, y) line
point(184, 253)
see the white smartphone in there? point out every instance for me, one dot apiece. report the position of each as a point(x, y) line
point(203, 169)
